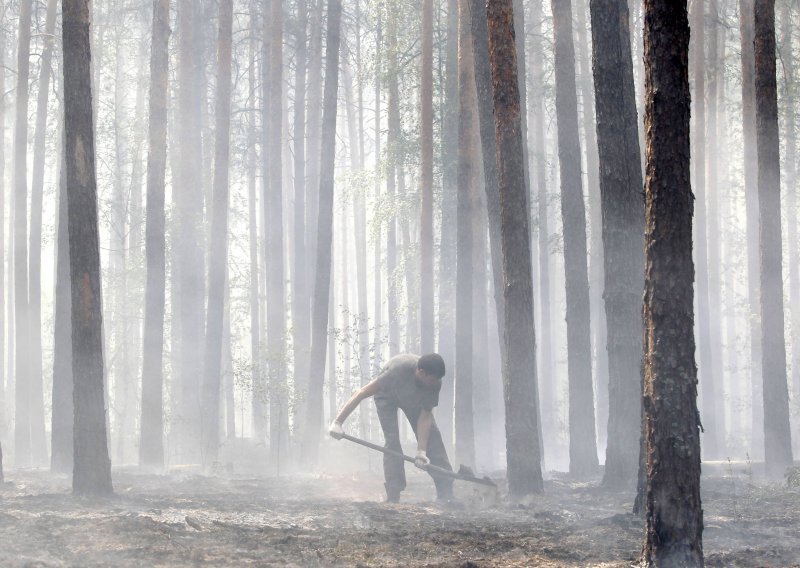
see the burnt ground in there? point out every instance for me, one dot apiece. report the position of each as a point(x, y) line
point(188, 519)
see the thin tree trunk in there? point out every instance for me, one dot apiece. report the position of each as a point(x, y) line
point(22, 374)
point(319, 327)
point(376, 346)
point(151, 445)
point(706, 370)
point(467, 194)
point(301, 318)
point(3, 391)
point(777, 434)
point(92, 472)
point(189, 260)
point(519, 375)
point(426, 306)
point(583, 445)
point(596, 269)
point(623, 229)
point(787, 57)
point(394, 152)
point(61, 456)
point(38, 438)
point(218, 257)
point(447, 253)
point(257, 369)
point(674, 518)
point(273, 202)
point(751, 211)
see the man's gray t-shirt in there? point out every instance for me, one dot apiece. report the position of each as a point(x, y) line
point(397, 382)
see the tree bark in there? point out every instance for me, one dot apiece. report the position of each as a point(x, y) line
point(777, 435)
point(583, 445)
point(674, 516)
point(38, 437)
point(447, 252)
point(426, 306)
point(92, 472)
point(151, 446)
point(319, 328)
point(218, 257)
point(519, 374)
point(22, 374)
point(394, 152)
point(3, 391)
point(623, 229)
point(273, 204)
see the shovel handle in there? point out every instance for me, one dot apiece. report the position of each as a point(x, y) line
point(430, 468)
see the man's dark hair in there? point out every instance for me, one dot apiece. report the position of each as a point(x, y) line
point(433, 364)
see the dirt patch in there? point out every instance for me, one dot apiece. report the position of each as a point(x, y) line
point(186, 519)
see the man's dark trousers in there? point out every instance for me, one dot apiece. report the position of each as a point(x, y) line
point(394, 468)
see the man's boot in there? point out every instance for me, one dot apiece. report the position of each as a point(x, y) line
point(392, 494)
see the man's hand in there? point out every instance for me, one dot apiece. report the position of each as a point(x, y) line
point(336, 431)
point(421, 461)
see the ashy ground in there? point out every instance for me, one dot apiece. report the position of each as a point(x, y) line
point(188, 519)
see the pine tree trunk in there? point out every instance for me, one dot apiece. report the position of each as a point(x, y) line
point(92, 472)
point(218, 257)
point(151, 445)
point(623, 230)
point(22, 374)
point(674, 517)
point(706, 371)
point(777, 435)
point(467, 196)
point(61, 456)
point(596, 269)
point(519, 374)
point(38, 438)
point(787, 57)
point(274, 261)
point(751, 211)
point(319, 328)
point(3, 391)
point(301, 319)
point(378, 294)
point(426, 306)
point(188, 302)
point(447, 252)
point(394, 151)
point(546, 369)
point(583, 445)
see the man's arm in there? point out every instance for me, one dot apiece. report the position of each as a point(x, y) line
point(424, 423)
point(366, 391)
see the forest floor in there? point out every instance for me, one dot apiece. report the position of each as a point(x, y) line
point(326, 520)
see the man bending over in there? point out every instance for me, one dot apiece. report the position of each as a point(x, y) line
point(412, 384)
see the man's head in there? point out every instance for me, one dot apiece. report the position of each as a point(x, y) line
point(430, 369)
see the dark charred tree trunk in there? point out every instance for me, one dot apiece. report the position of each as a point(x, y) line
point(777, 434)
point(467, 192)
point(483, 83)
point(151, 446)
point(583, 445)
point(623, 230)
point(447, 249)
point(218, 257)
point(38, 437)
point(674, 517)
point(595, 217)
point(519, 374)
point(61, 455)
point(92, 472)
point(22, 373)
point(273, 203)
point(426, 306)
point(746, 15)
point(319, 328)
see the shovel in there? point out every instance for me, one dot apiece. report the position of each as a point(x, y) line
point(464, 473)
